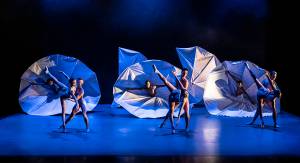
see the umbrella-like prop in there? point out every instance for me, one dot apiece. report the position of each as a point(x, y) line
point(37, 97)
point(223, 96)
point(200, 63)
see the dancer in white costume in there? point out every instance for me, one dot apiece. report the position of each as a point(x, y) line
point(267, 94)
point(176, 96)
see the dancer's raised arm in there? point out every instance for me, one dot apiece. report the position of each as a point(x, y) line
point(142, 88)
point(34, 83)
point(178, 81)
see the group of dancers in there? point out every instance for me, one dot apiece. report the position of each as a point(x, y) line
point(267, 92)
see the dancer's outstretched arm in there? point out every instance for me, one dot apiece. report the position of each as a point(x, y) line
point(135, 88)
point(65, 75)
point(142, 88)
point(55, 79)
point(34, 83)
point(178, 81)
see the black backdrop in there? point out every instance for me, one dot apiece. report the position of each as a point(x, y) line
point(92, 31)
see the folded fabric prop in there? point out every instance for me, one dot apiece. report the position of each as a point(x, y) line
point(221, 95)
point(127, 58)
point(37, 97)
point(200, 63)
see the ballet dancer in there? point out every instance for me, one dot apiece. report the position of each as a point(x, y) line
point(176, 96)
point(267, 93)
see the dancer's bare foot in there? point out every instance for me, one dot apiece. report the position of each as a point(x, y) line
point(62, 127)
point(173, 131)
point(262, 125)
point(46, 70)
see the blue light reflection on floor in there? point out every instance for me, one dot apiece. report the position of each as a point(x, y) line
point(115, 132)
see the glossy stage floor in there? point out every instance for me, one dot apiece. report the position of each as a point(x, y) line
point(114, 132)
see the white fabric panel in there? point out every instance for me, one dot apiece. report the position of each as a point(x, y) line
point(41, 100)
point(200, 63)
point(129, 57)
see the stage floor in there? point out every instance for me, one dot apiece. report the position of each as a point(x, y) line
point(115, 132)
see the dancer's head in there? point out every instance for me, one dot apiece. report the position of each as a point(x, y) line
point(72, 82)
point(184, 72)
point(273, 75)
point(240, 84)
point(147, 83)
point(50, 81)
point(80, 82)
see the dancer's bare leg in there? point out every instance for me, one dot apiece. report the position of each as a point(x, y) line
point(257, 112)
point(254, 118)
point(63, 112)
point(179, 113)
point(274, 114)
point(260, 106)
point(172, 108)
point(73, 114)
point(165, 119)
point(86, 119)
point(169, 85)
point(167, 116)
point(187, 113)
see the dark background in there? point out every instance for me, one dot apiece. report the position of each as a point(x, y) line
point(92, 31)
